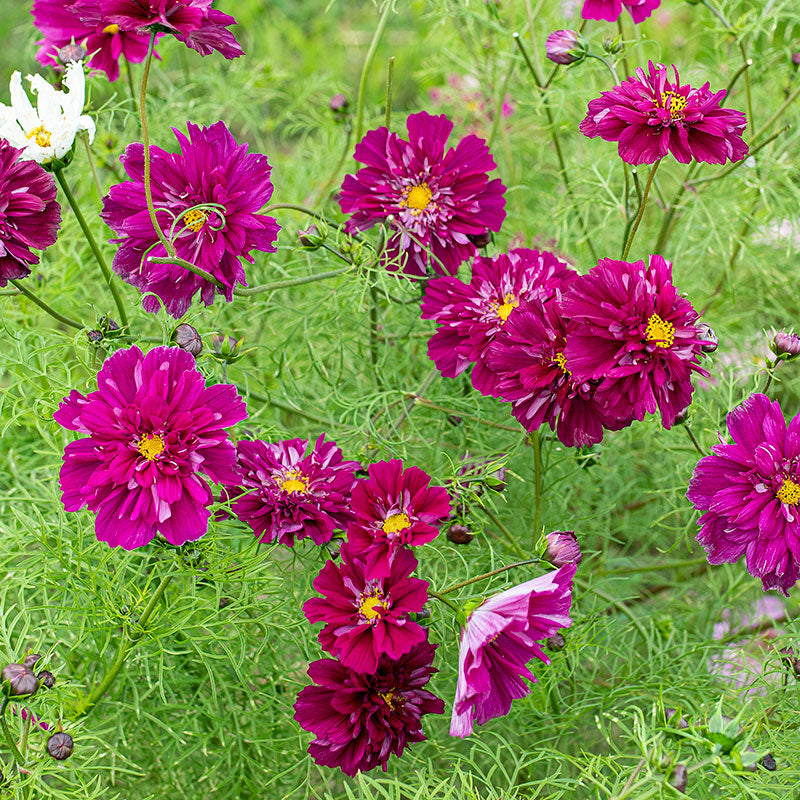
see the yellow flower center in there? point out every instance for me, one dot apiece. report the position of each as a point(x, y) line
point(789, 493)
point(561, 362)
point(111, 28)
point(151, 446)
point(387, 698)
point(194, 219)
point(660, 331)
point(417, 198)
point(41, 134)
point(676, 103)
point(506, 307)
point(294, 482)
point(396, 523)
point(372, 605)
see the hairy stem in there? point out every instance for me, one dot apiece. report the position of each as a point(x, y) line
point(498, 571)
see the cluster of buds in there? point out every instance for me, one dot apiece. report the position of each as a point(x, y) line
point(470, 482)
point(314, 236)
point(107, 328)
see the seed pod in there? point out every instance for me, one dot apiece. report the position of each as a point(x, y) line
point(60, 746)
point(30, 660)
point(47, 679)
point(460, 534)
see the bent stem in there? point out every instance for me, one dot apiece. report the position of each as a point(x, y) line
point(49, 309)
point(696, 444)
point(486, 575)
point(125, 646)
point(444, 600)
point(17, 756)
point(182, 262)
point(101, 262)
point(362, 84)
point(271, 287)
point(642, 204)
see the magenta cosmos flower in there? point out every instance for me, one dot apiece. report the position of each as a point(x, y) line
point(289, 491)
point(29, 213)
point(360, 719)
point(470, 315)
point(105, 43)
point(207, 199)
point(750, 492)
point(154, 437)
point(630, 327)
point(501, 636)
point(366, 617)
point(532, 374)
point(611, 9)
point(394, 508)
point(193, 22)
point(437, 200)
point(649, 116)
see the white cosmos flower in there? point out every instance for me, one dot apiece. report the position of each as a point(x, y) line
point(47, 131)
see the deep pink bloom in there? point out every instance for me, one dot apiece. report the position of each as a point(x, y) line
point(153, 430)
point(532, 374)
point(359, 718)
point(289, 491)
point(750, 492)
point(501, 636)
point(394, 508)
point(630, 327)
point(105, 43)
point(193, 22)
point(367, 617)
point(470, 315)
point(29, 213)
point(211, 171)
point(563, 548)
point(437, 199)
point(650, 116)
point(611, 9)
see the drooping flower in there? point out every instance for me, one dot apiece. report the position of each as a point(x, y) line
point(470, 315)
point(207, 198)
point(394, 508)
point(289, 491)
point(105, 43)
point(360, 719)
point(532, 374)
point(750, 492)
point(500, 637)
point(46, 133)
point(367, 617)
point(193, 22)
point(154, 438)
point(29, 215)
point(650, 116)
point(630, 327)
point(436, 199)
point(610, 10)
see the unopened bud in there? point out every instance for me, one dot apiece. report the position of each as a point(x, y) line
point(19, 681)
point(187, 338)
point(679, 778)
point(31, 659)
point(563, 548)
point(47, 679)
point(768, 762)
point(555, 642)
point(682, 416)
point(498, 480)
point(94, 336)
point(708, 337)
point(480, 240)
point(786, 344)
point(60, 746)
point(796, 59)
point(224, 602)
point(460, 534)
point(612, 46)
point(71, 52)
point(565, 47)
point(310, 237)
point(669, 713)
point(226, 348)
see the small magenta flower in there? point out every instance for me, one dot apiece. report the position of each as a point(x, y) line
point(360, 719)
point(563, 548)
point(650, 116)
point(367, 617)
point(565, 47)
point(610, 10)
point(432, 199)
point(500, 637)
point(154, 437)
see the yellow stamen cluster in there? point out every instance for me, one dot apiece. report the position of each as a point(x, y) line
point(194, 219)
point(151, 446)
point(395, 523)
point(41, 134)
point(372, 605)
point(416, 198)
point(112, 28)
point(659, 331)
point(561, 362)
point(504, 309)
point(789, 493)
point(676, 103)
point(294, 482)
point(387, 698)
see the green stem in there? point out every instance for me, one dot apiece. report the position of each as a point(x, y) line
point(101, 262)
point(295, 207)
point(362, 85)
point(423, 401)
point(686, 562)
point(697, 445)
point(131, 89)
point(271, 287)
point(498, 111)
point(444, 600)
point(148, 188)
point(609, 66)
point(181, 262)
point(622, 43)
point(642, 204)
point(504, 530)
point(49, 309)
point(486, 575)
point(7, 734)
point(389, 89)
point(125, 646)
point(536, 441)
point(776, 116)
point(92, 166)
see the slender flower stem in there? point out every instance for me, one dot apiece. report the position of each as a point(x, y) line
point(389, 90)
point(658, 567)
point(271, 287)
point(622, 41)
point(92, 166)
point(362, 85)
point(504, 530)
point(294, 207)
point(7, 734)
point(125, 646)
point(771, 367)
point(98, 255)
point(49, 309)
point(131, 89)
point(608, 65)
point(444, 600)
point(148, 188)
point(554, 136)
point(642, 204)
point(696, 444)
point(181, 262)
point(536, 441)
point(486, 575)
point(776, 116)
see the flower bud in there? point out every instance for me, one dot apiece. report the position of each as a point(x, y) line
point(790, 661)
point(224, 602)
point(31, 659)
point(669, 713)
point(47, 679)
point(226, 348)
point(94, 336)
point(460, 534)
point(796, 59)
point(563, 548)
point(71, 52)
point(19, 681)
point(555, 642)
point(710, 339)
point(339, 103)
point(612, 46)
point(786, 344)
point(480, 240)
point(498, 482)
point(60, 746)
point(565, 47)
point(768, 762)
point(679, 778)
point(187, 338)
point(310, 237)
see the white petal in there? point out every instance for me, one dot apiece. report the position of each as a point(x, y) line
point(48, 101)
point(23, 109)
point(86, 123)
point(75, 81)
